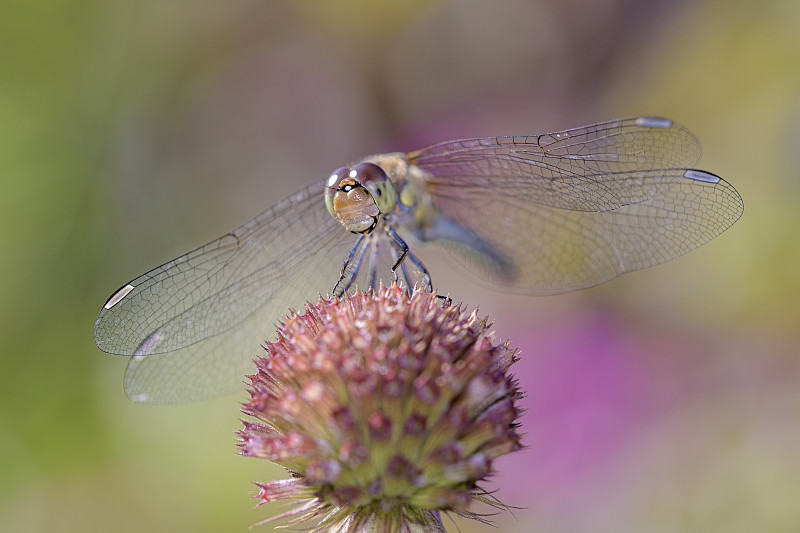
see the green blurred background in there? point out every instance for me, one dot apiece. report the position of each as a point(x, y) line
point(131, 132)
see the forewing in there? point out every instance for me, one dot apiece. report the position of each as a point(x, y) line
point(212, 307)
point(576, 208)
point(593, 168)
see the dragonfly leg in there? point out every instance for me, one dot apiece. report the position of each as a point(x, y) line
point(402, 253)
point(400, 250)
point(403, 270)
point(351, 267)
point(373, 261)
point(426, 275)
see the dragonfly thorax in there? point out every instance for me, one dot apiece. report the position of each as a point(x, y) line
point(357, 197)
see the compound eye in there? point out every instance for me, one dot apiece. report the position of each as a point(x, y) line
point(367, 173)
point(331, 185)
point(374, 179)
point(338, 175)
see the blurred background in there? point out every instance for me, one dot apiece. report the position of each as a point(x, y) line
point(131, 132)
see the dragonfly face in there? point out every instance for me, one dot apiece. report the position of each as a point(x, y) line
point(357, 197)
point(540, 214)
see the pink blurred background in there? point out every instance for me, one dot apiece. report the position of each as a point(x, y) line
point(667, 400)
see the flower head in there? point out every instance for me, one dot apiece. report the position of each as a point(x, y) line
point(386, 408)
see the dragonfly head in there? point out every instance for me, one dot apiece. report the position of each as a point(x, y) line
point(358, 196)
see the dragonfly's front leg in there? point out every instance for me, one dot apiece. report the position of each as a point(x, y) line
point(353, 262)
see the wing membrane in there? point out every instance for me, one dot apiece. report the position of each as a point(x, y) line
point(576, 208)
point(247, 278)
point(593, 168)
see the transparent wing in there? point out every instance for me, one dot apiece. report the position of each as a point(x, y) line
point(211, 308)
point(573, 209)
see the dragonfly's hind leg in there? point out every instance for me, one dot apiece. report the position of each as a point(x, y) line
point(446, 300)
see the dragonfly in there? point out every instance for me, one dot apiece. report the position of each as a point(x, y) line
point(538, 214)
